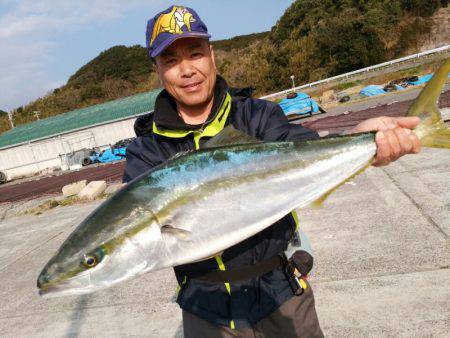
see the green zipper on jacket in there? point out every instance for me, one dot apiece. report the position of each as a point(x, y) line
point(211, 128)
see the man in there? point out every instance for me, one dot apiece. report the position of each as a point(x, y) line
point(195, 105)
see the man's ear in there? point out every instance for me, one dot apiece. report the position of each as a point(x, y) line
point(154, 64)
point(156, 70)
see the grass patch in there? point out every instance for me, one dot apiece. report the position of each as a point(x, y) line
point(69, 201)
point(347, 85)
point(41, 208)
point(53, 203)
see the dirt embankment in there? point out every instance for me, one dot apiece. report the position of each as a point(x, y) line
point(439, 34)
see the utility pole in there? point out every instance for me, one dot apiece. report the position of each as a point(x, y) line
point(293, 82)
point(10, 117)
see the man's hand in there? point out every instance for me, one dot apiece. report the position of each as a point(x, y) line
point(394, 137)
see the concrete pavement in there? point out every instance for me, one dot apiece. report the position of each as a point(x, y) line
point(381, 245)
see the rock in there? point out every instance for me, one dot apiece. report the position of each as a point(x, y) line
point(92, 190)
point(74, 188)
point(112, 188)
point(328, 96)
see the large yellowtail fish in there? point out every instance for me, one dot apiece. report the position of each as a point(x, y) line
point(201, 203)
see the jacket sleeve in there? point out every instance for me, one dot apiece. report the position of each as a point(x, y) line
point(140, 156)
point(273, 125)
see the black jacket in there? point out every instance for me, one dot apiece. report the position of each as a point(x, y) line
point(238, 304)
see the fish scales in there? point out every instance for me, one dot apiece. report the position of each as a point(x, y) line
point(234, 203)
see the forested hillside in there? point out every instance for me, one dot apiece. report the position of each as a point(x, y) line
point(312, 40)
point(318, 39)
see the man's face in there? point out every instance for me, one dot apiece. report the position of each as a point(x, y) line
point(187, 71)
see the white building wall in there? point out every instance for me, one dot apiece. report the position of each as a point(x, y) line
point(27, 159)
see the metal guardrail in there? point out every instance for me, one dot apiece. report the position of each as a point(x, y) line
point(363, 70)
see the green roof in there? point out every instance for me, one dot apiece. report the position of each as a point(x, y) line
point(80, 118)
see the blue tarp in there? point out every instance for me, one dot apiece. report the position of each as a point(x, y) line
point(421, 80)
point(372, 90)
point(302, 104)
point(109, 155)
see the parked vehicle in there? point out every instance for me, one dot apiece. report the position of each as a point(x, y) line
point(76, 158)
point(3, 177)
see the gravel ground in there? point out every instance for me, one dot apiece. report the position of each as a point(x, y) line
point(381, 247)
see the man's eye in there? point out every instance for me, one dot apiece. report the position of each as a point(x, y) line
point(196, 54)
point(170, 61)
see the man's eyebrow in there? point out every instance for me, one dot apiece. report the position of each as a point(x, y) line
point(194, 45)
point(191, 47)
point(168, 54)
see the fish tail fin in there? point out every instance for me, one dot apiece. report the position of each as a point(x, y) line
point(432, 131)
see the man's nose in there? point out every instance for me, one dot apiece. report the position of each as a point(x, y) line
point(187, 69)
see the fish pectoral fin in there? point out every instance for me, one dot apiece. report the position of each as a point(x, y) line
point(177, 232)
point(230, 136)
point(318, 203)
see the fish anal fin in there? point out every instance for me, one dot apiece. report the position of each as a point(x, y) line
point(230, 136)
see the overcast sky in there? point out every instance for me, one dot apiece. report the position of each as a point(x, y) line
point(43, 42)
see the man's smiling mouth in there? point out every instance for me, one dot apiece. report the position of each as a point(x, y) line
point(192, 85)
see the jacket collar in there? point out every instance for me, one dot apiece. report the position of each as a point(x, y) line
point(166, 113)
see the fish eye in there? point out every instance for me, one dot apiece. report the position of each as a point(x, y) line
point(89, 261)
point(92, 259)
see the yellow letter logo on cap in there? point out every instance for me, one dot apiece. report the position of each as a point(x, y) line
point(172, 22)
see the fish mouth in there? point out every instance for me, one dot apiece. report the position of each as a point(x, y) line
point(64, 289)
point(81, 284)
point(73, 286)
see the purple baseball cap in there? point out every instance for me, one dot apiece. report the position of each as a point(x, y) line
point(174, 23)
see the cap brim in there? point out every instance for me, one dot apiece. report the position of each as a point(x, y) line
point(175, 37)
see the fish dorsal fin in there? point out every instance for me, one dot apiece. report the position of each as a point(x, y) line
point(230, 136)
